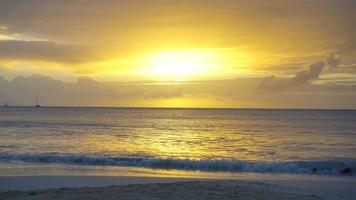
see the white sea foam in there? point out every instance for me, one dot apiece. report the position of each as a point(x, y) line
point(330, 167)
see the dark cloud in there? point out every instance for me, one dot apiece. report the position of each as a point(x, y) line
point(43, 51)
point(307, 76)
point(120, 20)
point(84, 92)
point(301, 78)
point(333, 61)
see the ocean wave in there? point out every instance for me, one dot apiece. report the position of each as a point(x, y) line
point(327, 167)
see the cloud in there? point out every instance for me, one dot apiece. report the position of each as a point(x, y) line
point(333, 61)
point(118, 29)
point(84, 92)
point(142, 23)
point(3, 29)
point(300, 78)
point(43, 51)
point(225, 93)
point(308, 76)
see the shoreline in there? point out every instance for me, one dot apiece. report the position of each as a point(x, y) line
point(331, 167)
point(48, 179)
point(77, 187)
point(20, 168)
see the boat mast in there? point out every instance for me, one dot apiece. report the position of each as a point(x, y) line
point(37, 104)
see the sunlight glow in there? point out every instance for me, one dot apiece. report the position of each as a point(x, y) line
point(179, 65)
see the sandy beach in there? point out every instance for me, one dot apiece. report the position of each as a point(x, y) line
point(176, 190)
point(54, 181)
point(119, 187)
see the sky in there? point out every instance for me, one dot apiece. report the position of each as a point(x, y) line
point(179, 53)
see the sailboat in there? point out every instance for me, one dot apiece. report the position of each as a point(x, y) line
point(37, 104)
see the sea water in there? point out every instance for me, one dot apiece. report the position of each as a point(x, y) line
point(232, 140)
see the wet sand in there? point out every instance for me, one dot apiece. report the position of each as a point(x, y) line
point(227, 189)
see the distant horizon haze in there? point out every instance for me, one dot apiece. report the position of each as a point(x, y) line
point(229, 93)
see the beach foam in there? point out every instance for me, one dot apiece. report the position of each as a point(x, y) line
point(327, 167)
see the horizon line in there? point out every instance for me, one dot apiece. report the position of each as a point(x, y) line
point(153, 107)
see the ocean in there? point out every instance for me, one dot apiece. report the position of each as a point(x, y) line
point(226, 140)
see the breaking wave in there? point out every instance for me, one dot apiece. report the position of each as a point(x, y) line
point(328, 167)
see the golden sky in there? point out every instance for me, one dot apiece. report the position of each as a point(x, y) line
point(181, 41)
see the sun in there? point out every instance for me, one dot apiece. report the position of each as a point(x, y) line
point(178, 65)
point(185, 64)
